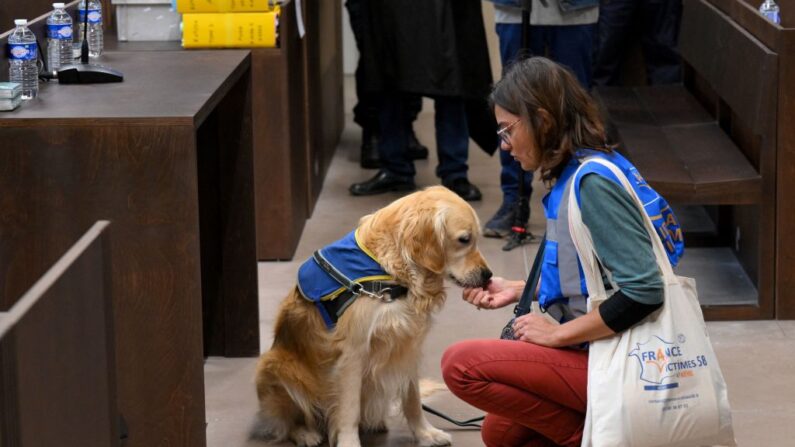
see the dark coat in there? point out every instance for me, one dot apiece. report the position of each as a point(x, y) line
point(431, 48)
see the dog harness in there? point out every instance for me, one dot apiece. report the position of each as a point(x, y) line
point(341, 272)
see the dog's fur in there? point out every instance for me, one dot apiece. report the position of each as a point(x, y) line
point(315, 382)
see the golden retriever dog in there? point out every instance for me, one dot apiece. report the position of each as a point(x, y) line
point(316, 381)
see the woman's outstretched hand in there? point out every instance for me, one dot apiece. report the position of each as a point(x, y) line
point(498, 293)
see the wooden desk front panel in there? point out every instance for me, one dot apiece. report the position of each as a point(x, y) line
point(57, 377)
point(54, 183)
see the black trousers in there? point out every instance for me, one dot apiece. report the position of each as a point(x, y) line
point(366, 112)
point(655, 23)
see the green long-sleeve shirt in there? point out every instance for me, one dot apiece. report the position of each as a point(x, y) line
point(620, 238)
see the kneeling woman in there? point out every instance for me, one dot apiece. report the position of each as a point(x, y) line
point(534, 389)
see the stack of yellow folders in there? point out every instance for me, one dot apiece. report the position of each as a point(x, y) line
point(229, 23)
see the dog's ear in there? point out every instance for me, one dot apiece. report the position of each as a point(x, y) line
point(422, 239)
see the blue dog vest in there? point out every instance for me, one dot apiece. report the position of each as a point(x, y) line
point(349, 257)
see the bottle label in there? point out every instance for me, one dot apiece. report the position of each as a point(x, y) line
point(23, 51)
point(94, 16)
point(60, 32)
point(773, 16)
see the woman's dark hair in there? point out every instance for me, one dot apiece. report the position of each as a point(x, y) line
point(573, 119)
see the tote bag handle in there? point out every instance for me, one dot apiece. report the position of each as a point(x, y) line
point(583, 241)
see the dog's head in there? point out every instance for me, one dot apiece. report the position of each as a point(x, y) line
point(436, 233)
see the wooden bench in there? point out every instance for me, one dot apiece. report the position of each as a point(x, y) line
point(679, 147)
point(711, 141)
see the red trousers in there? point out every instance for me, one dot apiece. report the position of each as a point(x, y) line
point(534, 396)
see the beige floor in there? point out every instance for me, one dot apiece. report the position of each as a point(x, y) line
point(758, 358)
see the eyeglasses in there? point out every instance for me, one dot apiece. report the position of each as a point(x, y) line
point(505, 137)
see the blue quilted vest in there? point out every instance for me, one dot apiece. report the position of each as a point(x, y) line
point(562, 279)
point(348, 256)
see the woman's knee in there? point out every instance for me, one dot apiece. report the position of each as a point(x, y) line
point(454, 363)
point(498, 431)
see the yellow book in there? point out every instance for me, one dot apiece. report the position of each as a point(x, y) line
point(239, 30)
point(188, 6)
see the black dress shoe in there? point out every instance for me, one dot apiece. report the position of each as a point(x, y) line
point(463, 188)
point(415, 149)
point(383, 182)
point(370, 159)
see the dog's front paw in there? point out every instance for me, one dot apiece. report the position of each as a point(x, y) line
point(348, 439)
point(433, 436)
point(304, 437)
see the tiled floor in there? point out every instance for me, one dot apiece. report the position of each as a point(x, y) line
point(757, 357)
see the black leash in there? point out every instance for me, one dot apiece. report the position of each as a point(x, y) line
point(466, 423)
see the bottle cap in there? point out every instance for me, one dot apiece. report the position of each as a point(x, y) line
point(20, 22)
point(59, 5)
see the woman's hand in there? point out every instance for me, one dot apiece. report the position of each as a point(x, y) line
point(537, 330)
point(498, 293)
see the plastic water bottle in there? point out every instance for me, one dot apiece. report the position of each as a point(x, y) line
point(770, 10)
point(95, 38)
point(59, 38)
point(23, 58)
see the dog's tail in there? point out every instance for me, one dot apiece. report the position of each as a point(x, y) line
point(288, 394)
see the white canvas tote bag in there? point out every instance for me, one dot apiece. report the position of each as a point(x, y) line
point(659, 382)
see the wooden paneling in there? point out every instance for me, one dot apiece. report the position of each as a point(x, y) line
point(325, 108)
point(226, 203)
point(300, 116)
point(785, 199)
point(57, 372)
point(280, 142)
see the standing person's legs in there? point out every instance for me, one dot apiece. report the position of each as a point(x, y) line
point(661, 20)
point(572, 46)
point(366, 110)
point(415, 149)
point(452, 146)
point(509, 36)
point(392, 148)
point(613, 31)
point(542, 389)
point(510, 41)
point(397, 171)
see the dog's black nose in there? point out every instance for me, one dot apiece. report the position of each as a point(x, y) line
point(485, 275)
